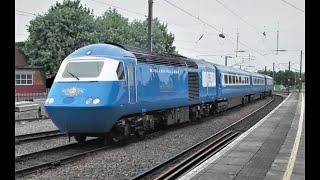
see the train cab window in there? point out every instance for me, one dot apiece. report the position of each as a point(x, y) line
point(120, 71)
point(83, 69)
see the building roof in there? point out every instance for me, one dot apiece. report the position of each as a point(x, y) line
point(20, 61)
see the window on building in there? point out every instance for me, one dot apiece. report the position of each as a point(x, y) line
point(24, 79)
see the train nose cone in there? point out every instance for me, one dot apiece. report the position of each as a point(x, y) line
point(83, 119)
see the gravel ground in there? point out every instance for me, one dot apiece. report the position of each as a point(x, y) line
point(127, 161)
point(34, 126)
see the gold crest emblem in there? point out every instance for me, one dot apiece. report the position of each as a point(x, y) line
point(72, 91)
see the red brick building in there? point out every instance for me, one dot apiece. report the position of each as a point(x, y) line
point(27, 79)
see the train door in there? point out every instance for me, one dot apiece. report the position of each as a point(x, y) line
point(132, 92)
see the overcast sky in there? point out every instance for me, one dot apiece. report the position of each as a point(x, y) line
point(250, 18)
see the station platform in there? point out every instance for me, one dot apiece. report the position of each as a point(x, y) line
point(274, 148)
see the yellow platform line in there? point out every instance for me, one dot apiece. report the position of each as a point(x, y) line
point(292, 160)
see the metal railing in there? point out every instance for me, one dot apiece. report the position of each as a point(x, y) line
point(29, 96)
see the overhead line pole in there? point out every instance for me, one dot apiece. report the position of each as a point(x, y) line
point(300, 71)
point(150, 2)
point(289, 79)
point(226, 61)
point(277, 42)
point(273, 71)
point(237, 42)
point(265, 70)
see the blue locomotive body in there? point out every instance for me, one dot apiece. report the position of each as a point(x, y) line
point(101, 87)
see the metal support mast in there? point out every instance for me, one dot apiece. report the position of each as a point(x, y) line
point(150, 2)
point(300, 71)
point(237, 43)
point(277, 42)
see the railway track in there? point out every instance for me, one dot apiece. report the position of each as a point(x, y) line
point(37, 136)
point(40, 160)
point(31, 119)
point(191, 157)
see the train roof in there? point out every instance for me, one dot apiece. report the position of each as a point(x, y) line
point(165, 59)
point(268, 77)
point(101, 50)
point(257, 74)
point(232, 70)
point(204, 63)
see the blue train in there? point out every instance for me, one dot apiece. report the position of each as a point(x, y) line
point(105, 90)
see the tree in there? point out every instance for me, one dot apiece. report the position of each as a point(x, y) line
point(113, 27)
point(162, 41)
point(281, 77)
point(66, 27)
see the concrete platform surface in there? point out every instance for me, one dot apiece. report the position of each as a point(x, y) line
point(271, 149)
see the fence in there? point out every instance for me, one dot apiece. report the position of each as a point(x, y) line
point(30, 96)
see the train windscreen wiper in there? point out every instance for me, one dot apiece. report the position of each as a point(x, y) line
point(73, 75)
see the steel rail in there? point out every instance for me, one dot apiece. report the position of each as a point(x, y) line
point(58, 161)
point(190, 149)
point(31, 119)
point(37, 136)
point(202, 154)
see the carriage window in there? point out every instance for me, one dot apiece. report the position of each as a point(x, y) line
point(225, 79)
point(240, 80)
point(120, 71)
point(233, 79)
point(230, 79)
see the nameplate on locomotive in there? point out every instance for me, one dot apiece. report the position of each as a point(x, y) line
point(72, 91)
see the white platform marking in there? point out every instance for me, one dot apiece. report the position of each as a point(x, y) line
point(205, 164)
point(294, 151)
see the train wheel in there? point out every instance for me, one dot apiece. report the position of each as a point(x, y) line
point(80, 138)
